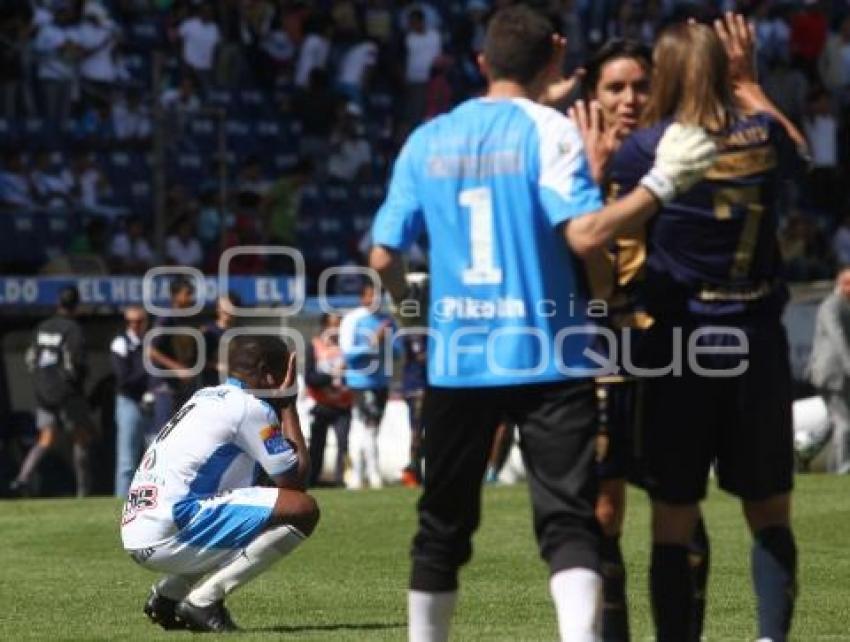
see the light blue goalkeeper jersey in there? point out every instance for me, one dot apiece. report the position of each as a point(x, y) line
point(492, 182)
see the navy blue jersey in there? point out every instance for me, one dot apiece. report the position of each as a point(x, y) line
point(712, 252)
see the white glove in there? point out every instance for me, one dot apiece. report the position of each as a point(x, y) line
point(411, 310)
point(683, 156)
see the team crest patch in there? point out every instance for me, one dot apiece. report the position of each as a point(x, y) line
point(273, 440)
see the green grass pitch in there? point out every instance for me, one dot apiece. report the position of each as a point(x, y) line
point(63, 575)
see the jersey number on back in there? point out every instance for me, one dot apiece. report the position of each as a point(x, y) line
point(167, 428)
point(749, 198)
point(479, 200)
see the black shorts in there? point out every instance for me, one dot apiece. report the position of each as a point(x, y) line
point(370, 404)
point(615, 443)
point(742, 424)
point(557, 426)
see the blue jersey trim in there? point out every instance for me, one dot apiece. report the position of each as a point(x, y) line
point(209, 475)
point(224, 525)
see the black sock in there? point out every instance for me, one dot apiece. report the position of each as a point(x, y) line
point(699, 557)
point(671, 589)
point(615, 613)
point(774, 562)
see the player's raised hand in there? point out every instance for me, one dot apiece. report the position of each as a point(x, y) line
point(288, 390)
point(600, 142)
point(739, 40)
point(559, 89)
point(683, 156)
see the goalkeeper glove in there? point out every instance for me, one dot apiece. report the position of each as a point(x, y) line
point(683, 156)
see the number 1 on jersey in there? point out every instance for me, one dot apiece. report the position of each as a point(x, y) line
point(482, 271)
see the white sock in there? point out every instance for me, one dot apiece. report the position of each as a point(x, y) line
point(255, 558)
point(370, 449)
point(429, 615)
point(356, 440)
point(176, 587)
point(577, 593)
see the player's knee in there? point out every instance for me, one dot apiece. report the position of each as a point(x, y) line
point(773, 511)
point(306, 515)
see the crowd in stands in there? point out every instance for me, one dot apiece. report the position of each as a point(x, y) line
point(313, 98)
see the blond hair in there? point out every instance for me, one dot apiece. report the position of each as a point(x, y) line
point(690, 81)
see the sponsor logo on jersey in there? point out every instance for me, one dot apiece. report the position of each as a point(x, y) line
point(273, 440)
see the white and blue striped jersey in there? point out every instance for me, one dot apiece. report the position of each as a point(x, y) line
point(492, 182)
point(213, 444)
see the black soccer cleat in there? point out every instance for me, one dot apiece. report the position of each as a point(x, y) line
point(214, 618)
point(160, 610)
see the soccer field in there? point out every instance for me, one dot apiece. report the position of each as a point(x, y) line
point(65, 577)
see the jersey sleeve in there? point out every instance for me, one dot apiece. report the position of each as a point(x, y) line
point(630, 163)
point(399, 221)
point(260, 436)
point(565, 184)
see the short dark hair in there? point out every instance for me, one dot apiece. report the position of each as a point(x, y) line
point(180, 283)
point(518, 44)
point(69, 298)
point(253, 355)
point(613, 50)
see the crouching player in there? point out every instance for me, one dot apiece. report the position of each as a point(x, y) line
point(194, 513)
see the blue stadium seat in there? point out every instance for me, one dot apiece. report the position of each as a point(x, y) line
point(58, 229)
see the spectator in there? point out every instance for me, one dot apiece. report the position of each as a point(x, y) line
point(174, 355)
point(93, 240)
point(51, 187)
point(363, 340)
point(131, 118)
point(788, 87)
point(282, 201)
point(212, 332)
point(88, 182)
point(829, 366)
point(841, 242)
point(351, 155)
point(130, 251)
point(182, 99)
point(96, 38)
point(809, 28)
point(15, 28)
point(209, 220)
point(422, 46)
point(15, 187)
point(772, 36)
point(345, 19)
point(251, 180)
point(323, 373)
point(314, 50)
point(821, 133)
point(200, 38)
point(430, 15)
point(131, 380)
point(316, 108)
point(57, 360)
point(439, 95)
point(354, 70)
point(53, 49)
point(834, 64)
point(182, 247)
point(378, 20)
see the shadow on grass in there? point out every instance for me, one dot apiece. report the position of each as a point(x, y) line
point(368, 626)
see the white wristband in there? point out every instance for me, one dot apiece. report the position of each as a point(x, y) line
point(659, 184)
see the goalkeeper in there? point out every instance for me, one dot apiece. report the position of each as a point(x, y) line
point(502, 187)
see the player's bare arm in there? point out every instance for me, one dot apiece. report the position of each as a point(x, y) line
point(291, 428)
point(739, 40)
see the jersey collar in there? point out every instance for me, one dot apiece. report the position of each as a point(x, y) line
point(233, 381)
